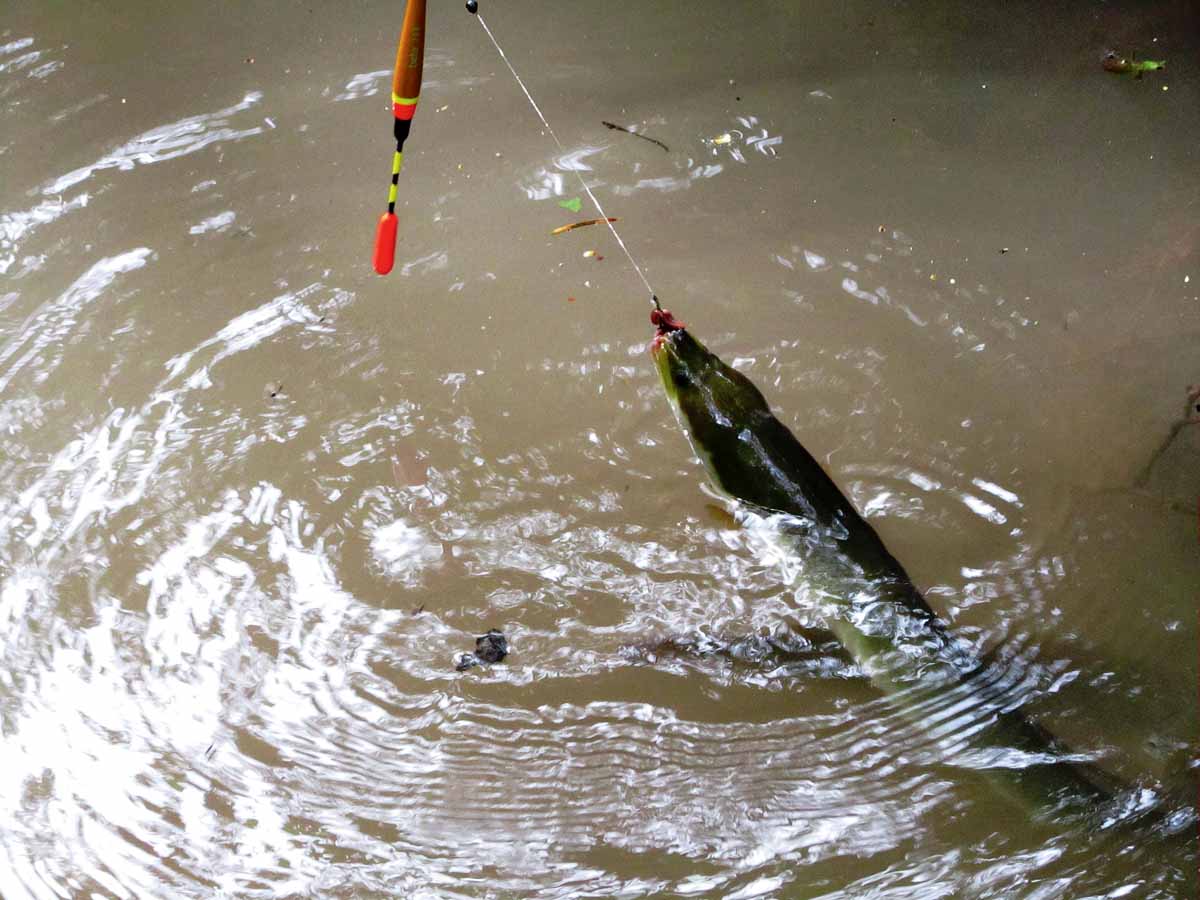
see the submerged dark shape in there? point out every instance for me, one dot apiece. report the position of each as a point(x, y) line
point(1191, 416)
point(880, 616)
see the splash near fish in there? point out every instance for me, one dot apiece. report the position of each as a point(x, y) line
point(869, 601)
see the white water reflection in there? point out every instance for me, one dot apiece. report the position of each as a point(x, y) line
point(24, 61)
point(14, 46)
point(966, 316)
point(180, 138)
point(15, 227)
point(577, 160)
point(365, 84)
point(43, 335)
point(219, 222)
point(667, 183)
point(750, 135)
point(403, 550)
point(79, 107)
point(369, 84)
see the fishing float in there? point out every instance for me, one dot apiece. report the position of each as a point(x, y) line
point(406, 89)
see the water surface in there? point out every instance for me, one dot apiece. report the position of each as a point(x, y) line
point(258, 498)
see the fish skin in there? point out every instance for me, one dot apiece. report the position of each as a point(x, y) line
point(755, 459)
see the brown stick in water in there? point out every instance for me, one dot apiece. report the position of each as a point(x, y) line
point(573, 225)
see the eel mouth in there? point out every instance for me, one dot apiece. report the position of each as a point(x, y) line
point(664, 323)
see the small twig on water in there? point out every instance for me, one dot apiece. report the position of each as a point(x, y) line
point(635, 134)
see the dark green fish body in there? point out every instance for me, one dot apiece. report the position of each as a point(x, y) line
point(877, 613)
point(753, 457)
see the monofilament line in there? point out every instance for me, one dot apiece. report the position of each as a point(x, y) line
point(563, 151)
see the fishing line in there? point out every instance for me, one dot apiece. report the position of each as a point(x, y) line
point(563, 151)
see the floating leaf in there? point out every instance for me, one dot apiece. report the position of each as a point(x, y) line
point(574, 204)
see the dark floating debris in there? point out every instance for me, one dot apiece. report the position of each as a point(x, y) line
point(616, 127)
point(489, 648)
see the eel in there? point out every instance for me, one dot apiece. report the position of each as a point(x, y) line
point(872, 606)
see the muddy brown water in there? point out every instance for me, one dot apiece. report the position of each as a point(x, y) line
point(257, 498)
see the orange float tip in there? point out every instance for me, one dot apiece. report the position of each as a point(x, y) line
point(385, 243)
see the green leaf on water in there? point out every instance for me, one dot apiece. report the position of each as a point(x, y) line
point(574, 204)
